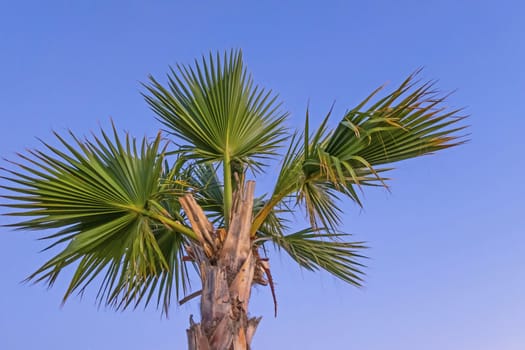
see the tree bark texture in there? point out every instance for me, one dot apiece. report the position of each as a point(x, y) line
point(227, 264)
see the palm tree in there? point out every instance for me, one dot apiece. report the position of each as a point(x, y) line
point(141, 215)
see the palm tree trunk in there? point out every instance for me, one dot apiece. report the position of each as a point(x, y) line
point(227, 267)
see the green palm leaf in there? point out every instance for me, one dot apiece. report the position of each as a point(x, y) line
point(409, 122)
point(316, 249)
point(104, 197)
point(220, 116)
point(328, 165)
point(215, 108)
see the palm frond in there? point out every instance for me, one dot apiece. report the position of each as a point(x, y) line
point(316, 249)
point(103, 198)
point(409, 122)
point(216, 109)
point(329, 165)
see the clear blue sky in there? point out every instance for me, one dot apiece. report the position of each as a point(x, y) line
point(447, 250)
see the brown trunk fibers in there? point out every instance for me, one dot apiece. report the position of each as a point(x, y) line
point(228, 264)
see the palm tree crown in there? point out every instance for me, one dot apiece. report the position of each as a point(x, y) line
point(116, 205)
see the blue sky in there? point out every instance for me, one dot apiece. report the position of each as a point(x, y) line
point(447, 244)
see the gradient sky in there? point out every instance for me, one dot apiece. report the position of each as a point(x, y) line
point(447, 244)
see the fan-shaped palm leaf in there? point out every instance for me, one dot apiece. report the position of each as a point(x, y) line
point(215, 107)
point(221, 116)
point(316, 249)
point(407, 123)
point(104, 197)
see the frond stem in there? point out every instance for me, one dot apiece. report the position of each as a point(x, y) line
point(172, 224)
point(265, 211)
point(228, 190)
